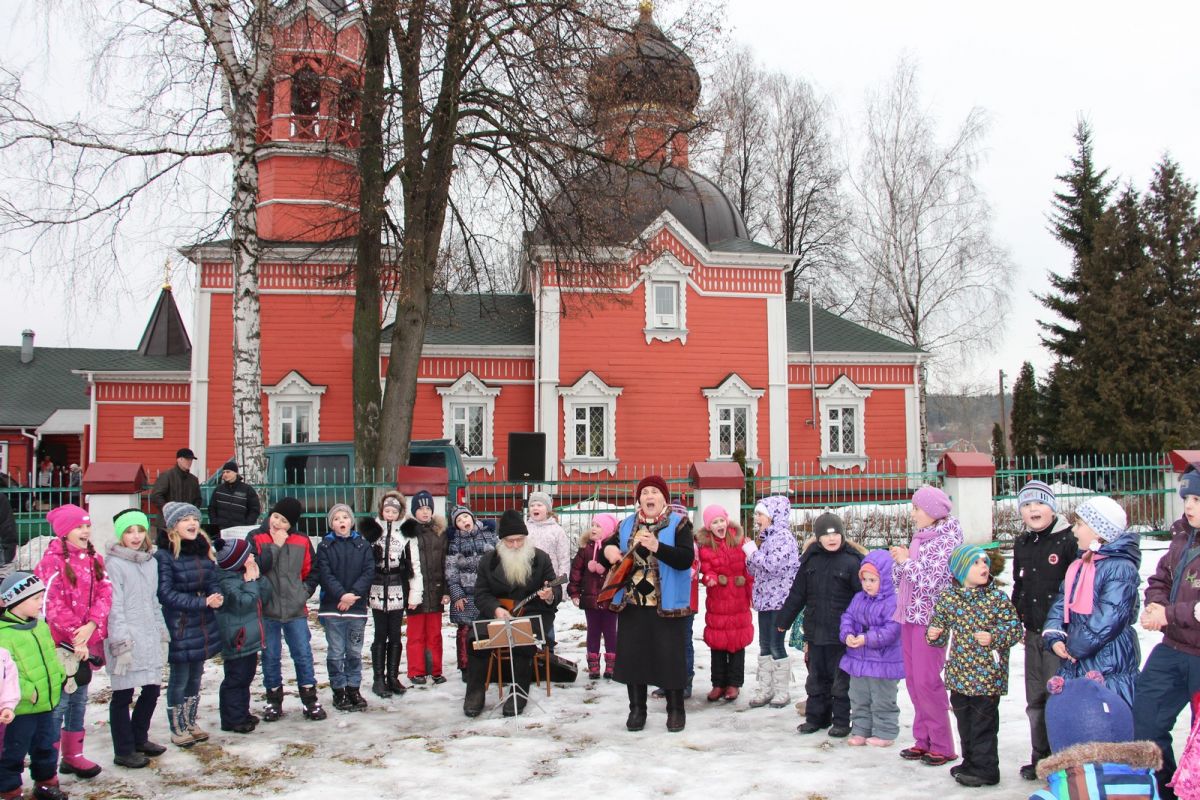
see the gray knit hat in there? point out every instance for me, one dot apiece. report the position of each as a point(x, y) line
point(174, 513)
point(336, 508)
point(541, 497)
point(19, 586)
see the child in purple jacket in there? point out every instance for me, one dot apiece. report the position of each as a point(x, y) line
point(773, 565)
point(873, 659)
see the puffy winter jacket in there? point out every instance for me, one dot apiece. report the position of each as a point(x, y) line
point(1179, 565)
point(824, 586)
point(290, 568)
point(233, 504)
point(1100, 770)
point(135, 623)
point(462, 565)
point(71, 604)
point(397, 564)
point(926, 573)
point(881, 655)
point(774, 564)
point(972, 668)
point(345, 565)
point(728, 621)
point(1040, 561)
point(585, 584)
point(184, 583)
point(549, 537)
point(10, 683)
point(39, 672)
point(431, 546)
point(240, 617)
point(1105, 639)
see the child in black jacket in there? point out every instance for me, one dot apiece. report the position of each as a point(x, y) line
point(823, 588)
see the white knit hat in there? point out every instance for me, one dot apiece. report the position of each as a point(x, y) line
point(1105, 516)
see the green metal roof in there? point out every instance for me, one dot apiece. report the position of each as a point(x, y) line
point(834, 334)
point(478, 319)
point(30, 393)
point(738, 245)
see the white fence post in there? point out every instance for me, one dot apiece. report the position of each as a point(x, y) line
point(107, 489)
point(720, 483)
point(969, 479)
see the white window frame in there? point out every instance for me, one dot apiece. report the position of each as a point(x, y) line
point(4, 458)
point(293, 388)
point(733, 393)
point(666, 270)
point(843, 393)
point(590, 390)
point(466, 392)
point(289, 415)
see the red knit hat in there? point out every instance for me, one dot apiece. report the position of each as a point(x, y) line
point(657, 482)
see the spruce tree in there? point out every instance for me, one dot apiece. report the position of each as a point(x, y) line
point(999, 452)
point(1026, 414)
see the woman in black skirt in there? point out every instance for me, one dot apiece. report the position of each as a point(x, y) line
point(654, 602)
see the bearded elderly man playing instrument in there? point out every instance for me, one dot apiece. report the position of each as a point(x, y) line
point(512, 572)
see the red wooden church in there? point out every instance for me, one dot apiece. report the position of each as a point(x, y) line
point(688, 352)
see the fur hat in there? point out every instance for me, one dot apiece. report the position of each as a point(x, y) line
point(540, 497)
point(1036, 491)
point(652, 480)
point(67, 518)
point(963, 558)
point(174, 513)
point(1084, 710)
point(19, 586)
point(933, 501)
point(336, 508)
point(1103, 515)
point(511, 524)
point(421, 499)
point(232, 554)
point(290, 509)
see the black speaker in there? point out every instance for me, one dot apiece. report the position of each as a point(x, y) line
point(527, 457)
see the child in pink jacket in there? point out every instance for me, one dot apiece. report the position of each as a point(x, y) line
point(77, 601)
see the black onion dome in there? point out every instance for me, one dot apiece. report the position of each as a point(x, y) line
point(612, 205)
point(647, 69)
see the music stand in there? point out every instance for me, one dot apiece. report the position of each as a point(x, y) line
point(509, 634)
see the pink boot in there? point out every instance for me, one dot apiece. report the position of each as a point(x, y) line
point(610, 662)
point(73, 760)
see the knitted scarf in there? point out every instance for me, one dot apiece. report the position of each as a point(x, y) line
point(1081, 580)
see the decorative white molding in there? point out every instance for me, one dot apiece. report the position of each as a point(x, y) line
point(590, 390)
point(842, 394)
point(779, 411)
point(666, 270)
point(294, 388)
point(468, 391)
point(733, 393)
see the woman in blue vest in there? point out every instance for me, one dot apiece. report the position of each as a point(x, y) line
point(654, 602)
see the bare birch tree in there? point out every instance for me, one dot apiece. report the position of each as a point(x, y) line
point(742, 119)
point(931, 273)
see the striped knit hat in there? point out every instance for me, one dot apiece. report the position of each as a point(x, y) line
point(1104, 515)
point(1037, 492)
point(962, 558)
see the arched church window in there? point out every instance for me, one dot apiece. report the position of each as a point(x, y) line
point(306, 103)
point(347, 110)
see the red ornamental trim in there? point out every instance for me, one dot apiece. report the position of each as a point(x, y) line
point(868, 375)
point(146, 392)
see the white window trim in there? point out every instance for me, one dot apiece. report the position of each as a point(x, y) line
point(4, 458)
point(666, 269)
point(293, 388)
point(470, 391)
point(733, 392)
point(843, 393)
point(590, 390)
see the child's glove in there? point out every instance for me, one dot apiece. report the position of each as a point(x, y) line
point(122, 663)
point(596, 567)
point(739, 581)
point(749, 547)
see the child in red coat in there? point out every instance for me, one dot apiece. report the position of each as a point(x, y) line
point(728, 624)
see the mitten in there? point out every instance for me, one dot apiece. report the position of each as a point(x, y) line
point(596, 567)
point(749, 547)
point(122, 663)
point(723, 579)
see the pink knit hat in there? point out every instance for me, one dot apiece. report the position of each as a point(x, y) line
point(607, 523)
point(933, 501)
point(65, 519)
point(713, 512)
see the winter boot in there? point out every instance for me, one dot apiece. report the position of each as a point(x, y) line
point(476, 687)
point(676, 716)
point(274, 709)
point(312, 706)
point(764, 690)
point(180, 735)
point(192, 706)
point(783, 682)
point(394, 651)
point(339, 700)
point(637, 707)
point(379, 684)
point(355, 699)
point(73, 760)
point(610, 663)
point(48, 790)
point(593, 660)
point(134, 760)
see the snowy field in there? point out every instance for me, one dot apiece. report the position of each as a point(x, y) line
point(575, 746)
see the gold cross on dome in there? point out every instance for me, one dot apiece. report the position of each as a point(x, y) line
point(646, 7)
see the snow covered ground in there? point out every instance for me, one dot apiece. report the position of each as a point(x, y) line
point(420, 745)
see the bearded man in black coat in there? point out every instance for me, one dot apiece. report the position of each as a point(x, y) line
point(507, 575)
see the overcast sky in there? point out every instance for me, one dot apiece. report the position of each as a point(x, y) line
point(1132, 70)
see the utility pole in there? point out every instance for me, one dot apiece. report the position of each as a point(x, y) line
point(1003, 413)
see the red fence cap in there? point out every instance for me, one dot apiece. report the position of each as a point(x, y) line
point(435, 480)
point(107, 477)
point(967, 465)
point(1182, 459)
point(716, 475)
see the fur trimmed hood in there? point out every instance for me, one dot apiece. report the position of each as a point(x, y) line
point(1139, 755)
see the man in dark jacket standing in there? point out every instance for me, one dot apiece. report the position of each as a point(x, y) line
point(177, 484)
point(506, 576)
point(234, 502)
point(1171, 675)
point(1041, 555)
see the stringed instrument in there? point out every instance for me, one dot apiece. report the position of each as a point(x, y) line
point(618, 575)
point(515, 608)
